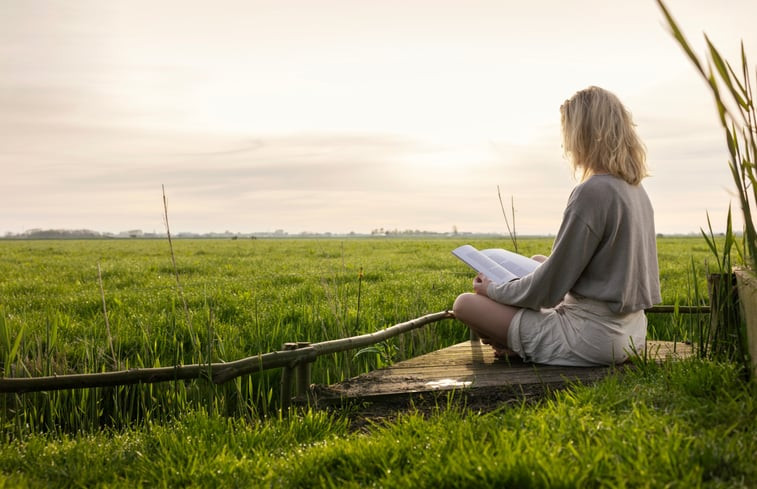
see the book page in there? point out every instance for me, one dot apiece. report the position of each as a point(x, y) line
point(483, 264)
point(519, 265)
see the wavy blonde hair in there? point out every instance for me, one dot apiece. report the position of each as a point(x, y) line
point(599, 136)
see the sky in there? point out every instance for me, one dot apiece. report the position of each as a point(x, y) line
point(344, 115)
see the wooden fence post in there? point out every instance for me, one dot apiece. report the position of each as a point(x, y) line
point(303, 373)
point(286, 380)
point(747, 286)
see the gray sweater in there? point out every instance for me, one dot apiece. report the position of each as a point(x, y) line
point(605, 250)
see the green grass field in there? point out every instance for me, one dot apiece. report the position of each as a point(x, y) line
point(237, 298)
point(234, 299)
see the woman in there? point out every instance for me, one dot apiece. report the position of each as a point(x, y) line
point(584, 305)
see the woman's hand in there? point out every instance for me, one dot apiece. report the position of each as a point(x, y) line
point(480, 284)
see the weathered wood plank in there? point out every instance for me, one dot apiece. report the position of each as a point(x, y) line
point(472, 366)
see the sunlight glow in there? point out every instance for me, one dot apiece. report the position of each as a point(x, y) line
point(242, 106)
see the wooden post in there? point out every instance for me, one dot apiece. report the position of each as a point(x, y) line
point(286, 380)
point(303, 372)
point(747, 285)
point(303, 378)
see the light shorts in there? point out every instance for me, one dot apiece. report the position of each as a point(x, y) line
point(577, 332)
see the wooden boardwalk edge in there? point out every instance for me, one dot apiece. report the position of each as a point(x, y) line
point(470, 370)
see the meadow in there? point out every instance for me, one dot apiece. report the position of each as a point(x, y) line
point(100, 305)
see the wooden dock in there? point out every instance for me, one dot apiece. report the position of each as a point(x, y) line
point(471, 369)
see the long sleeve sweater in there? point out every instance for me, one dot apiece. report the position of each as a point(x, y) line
point(604, 250)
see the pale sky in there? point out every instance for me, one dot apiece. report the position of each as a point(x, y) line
point(344, 115)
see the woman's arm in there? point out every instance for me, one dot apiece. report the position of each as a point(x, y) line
point(574, 247)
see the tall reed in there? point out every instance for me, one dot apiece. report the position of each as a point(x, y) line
point(733, 96)
point(735, 105)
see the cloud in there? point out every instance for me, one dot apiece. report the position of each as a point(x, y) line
point(296, 180)
point(339, 116)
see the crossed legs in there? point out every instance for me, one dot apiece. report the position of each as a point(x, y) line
point(490, 320)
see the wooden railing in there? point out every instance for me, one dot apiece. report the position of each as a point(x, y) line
point(295, 358)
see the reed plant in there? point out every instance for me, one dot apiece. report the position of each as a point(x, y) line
point(734, 101)
point(724, 336)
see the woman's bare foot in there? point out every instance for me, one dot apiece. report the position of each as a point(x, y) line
point(503, 352)
point(500, 351)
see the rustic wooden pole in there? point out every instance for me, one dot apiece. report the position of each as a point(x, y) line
point(102, 379)
point(221, 372)
point(227, 371)
point(286, 379)
point(303, 371)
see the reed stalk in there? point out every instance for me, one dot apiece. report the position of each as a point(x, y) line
point(510, 230)
point(179, 287)
point(105, 315)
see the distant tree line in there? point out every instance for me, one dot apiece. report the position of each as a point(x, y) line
point(408, 232)
point(137, 233)
point(57, 234)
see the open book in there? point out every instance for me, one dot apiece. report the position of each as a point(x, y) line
point(497, 264)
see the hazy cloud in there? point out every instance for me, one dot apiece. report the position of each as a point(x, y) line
point(338, 116)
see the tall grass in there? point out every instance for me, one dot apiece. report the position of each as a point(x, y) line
point(245, 297)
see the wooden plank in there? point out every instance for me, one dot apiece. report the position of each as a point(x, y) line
point(471, 366)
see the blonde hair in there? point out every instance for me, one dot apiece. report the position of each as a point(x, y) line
point(599, 136)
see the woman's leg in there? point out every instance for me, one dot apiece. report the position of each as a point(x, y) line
point(489, 319)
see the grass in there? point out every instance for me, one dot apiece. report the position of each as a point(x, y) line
point(244, 297)
point(687, 424)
